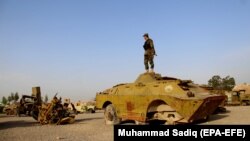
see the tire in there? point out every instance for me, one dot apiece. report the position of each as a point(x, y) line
point(91, 110)
point(7, 112)
point(243, 103)
point(110, 115)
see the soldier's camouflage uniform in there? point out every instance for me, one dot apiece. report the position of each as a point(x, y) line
point(149, 53)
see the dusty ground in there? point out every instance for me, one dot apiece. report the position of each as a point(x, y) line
point(91, 127)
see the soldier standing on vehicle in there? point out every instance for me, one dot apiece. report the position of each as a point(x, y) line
point(149, 53)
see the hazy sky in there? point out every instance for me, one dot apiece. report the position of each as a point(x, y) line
point(80, 47)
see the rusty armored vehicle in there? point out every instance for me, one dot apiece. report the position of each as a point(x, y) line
point(54, 112)
point(209, 89)
point(85, 106)
point(27, 104)
point(240, 95)
point(153, 97)
point(11, 108)
point(82, 106)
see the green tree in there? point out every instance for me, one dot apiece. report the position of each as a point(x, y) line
point(219, 83)
point(12, 95)
point(228, 83)
point(9, 98)
point(4, 100)
point(215, 82)
point(16, 97)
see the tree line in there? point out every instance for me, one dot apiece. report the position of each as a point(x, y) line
point(227, 83)
point(11, 97)
point(15, 96)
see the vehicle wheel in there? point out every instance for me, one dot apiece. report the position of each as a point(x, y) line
point(12, 112)
point(243, 103)
point(92, 111)
point(111, 115)
point(7, 112)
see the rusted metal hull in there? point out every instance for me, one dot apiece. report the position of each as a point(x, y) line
point(143, 101)
point(207, 108)
point(190, 109)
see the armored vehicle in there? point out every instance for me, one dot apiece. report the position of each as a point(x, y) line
point(36, 102)
point(55, 112)
point(11, 108)
point(82, 106)
point(1, 107)
point(153, 97)
point(240, 95)
point(85, 107)
point(26, 105)
point(208, 89)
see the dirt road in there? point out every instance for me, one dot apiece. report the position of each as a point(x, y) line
point(91, 127)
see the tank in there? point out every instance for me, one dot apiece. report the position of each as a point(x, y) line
point(155, 98)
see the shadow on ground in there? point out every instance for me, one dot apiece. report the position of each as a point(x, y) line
point(17, 123)
point(86, 119)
